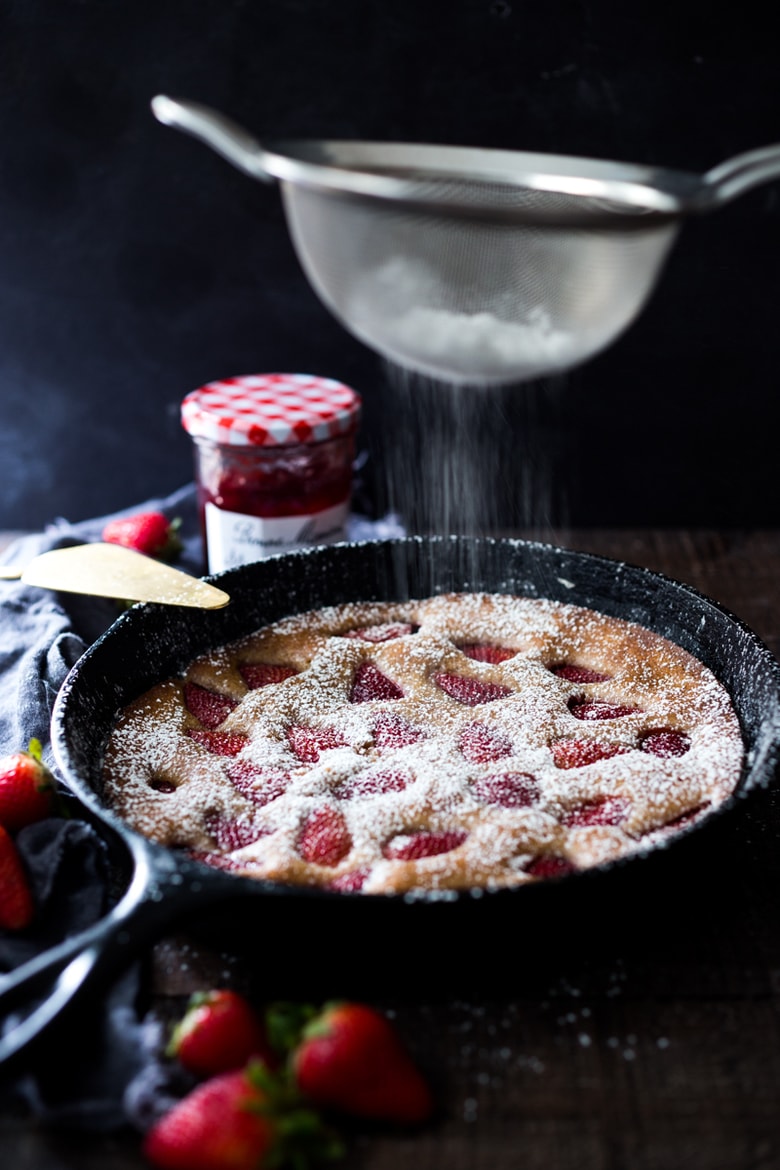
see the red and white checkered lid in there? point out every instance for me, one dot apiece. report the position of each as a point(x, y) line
point(270, 410)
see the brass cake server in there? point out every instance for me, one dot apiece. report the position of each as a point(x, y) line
point(110, 570)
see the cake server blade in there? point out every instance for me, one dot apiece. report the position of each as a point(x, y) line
point(110, 570)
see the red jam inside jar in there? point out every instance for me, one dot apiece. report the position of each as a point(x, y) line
point(273, 463)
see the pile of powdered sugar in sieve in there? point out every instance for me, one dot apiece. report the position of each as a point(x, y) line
point(442, 327)
point(480, 344)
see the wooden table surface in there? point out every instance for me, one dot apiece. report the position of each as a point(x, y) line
point(662, 1057)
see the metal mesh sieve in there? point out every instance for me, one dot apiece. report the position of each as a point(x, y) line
point(476, 265)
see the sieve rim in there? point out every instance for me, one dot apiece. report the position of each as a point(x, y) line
point(602, 194)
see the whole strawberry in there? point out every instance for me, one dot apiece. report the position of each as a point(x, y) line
point(233, 1122)
point(16, 902)
point(27, 791)
point(351, 1059)
point(218, 1033)
point(151, 533)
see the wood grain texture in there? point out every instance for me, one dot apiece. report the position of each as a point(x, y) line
point(657, 1051)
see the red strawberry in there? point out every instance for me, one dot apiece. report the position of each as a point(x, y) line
point(231, 1122)
point(480, 745)
point(507, 789)
point(308, 742)
point(146, 532)
point(27, 792)
point(383, 633)
point(16, 901)
point(609, 810)
point(577, 753)
point(662, 743)
point(578, 674)
point(219, 1124)
point(221, 743)
point(596, 709)
point(231, 834)
point(549, 866)
point(391, 730)
point(215, 860)
point(470, 691)
point(351, 1059)
point(219, 1032)
point(350, 883)
point(424, 843)
point(208, 707)
point(262, 674)
point(258, 784)
point(483, 652)
point(370, 683)
point(325, 838)
point(373, 783)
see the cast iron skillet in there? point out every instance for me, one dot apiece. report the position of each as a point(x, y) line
point(355, 944)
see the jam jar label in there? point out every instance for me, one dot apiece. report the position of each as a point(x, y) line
point(236, 539)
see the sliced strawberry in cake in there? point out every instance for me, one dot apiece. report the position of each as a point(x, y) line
point(507, 789)
point(392, 730)
point(257, 782)
point(591, 709)
point(578, 674)
point(221, 743)
point(230, 833)
point(382, 633)
point(482, 745)
point(370, 683)
point(578, 753)
point(548, 865)
point(325, 838)
point(209, 707)
point(350, 883)
point(470, 691)
point(607, 810)
point(665, 743)
point(485, 652)
point(264, 674)
point(422, 843)
point(374, 782)
point(309, 742)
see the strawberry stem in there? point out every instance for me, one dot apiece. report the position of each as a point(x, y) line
point(285, 1023)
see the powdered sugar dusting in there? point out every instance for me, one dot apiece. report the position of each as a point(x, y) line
point(431, 792)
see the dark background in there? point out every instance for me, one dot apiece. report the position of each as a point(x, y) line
point(136, 265)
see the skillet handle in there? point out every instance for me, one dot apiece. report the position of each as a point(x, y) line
point(36, 994)
point(41, 991)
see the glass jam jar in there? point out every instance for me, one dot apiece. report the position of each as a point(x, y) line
point(273, 463)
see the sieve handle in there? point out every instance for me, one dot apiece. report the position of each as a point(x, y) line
point(737, 175)
point(216, 131)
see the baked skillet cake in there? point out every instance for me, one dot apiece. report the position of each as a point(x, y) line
point(467, 741)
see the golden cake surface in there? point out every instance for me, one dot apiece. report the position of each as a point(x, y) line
point(466, 741)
